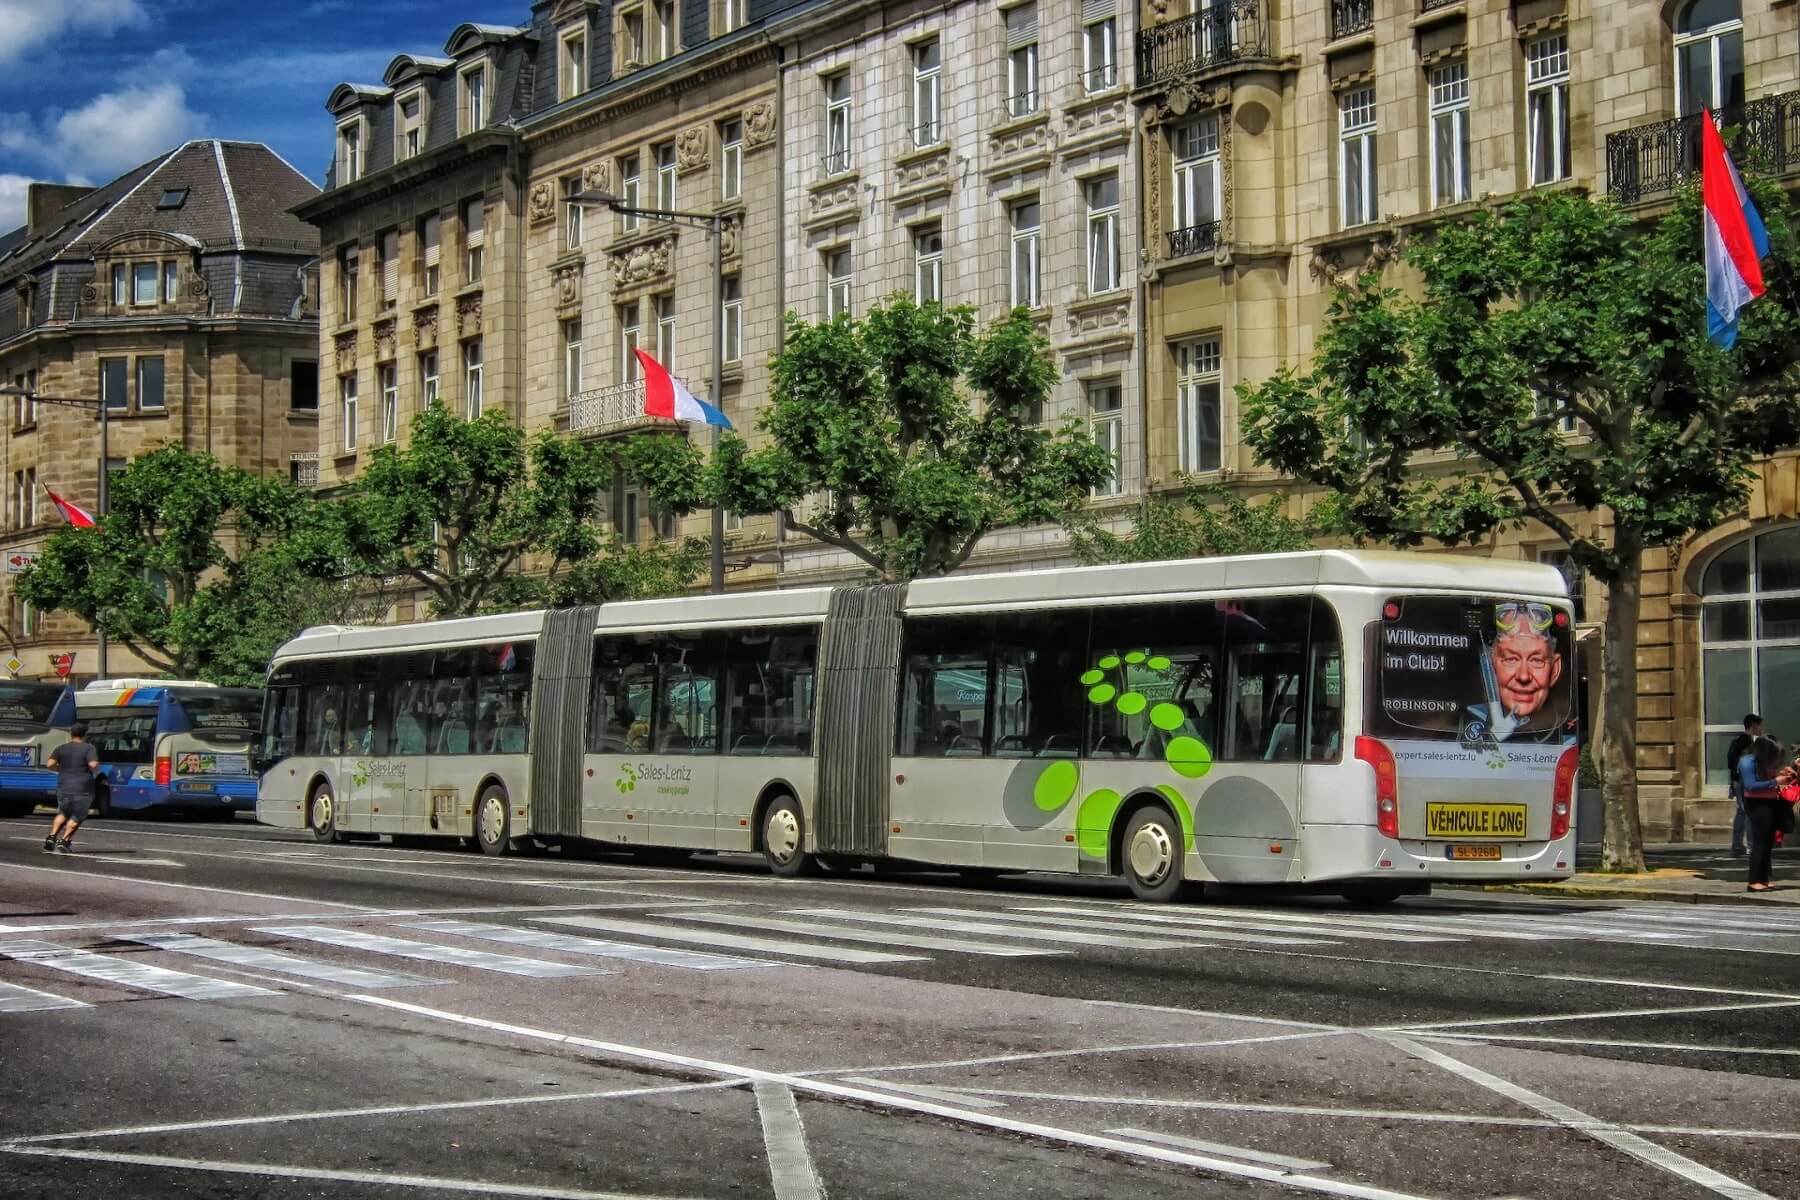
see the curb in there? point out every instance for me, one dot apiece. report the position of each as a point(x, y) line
point(1602, 892)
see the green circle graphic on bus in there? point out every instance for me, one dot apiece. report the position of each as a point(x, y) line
point(1183, 813)
point(1056, 786)
point(1133, 703)
point(1189, 756)
point(1090, 678)
point(1093, 821)
point(1167, 717)
point(1100, 693)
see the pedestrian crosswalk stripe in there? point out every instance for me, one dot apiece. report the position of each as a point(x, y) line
point(707, 937)
point(281, 964)
point(128, 974)
point(1412, 923)
point(843, 933)
point(542, 939)
point(1203, 926)
point(1211, 934)
point(1111, 941)
point(15, 998)
point(428, 952)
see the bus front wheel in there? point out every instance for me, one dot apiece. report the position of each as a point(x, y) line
point(1151, 853)
point(783, 839)
point(492, 822)
point(103, 802)
point(321, 815)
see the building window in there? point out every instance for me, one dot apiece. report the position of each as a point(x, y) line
point(1106, 420)
point(303, 386)
point(1100, 55)
point(471, 353)
point(837, 124)
point(473, 214)
point(1198, 405)
point(1547, 109)
point(350, 153)
point(144, 283)
point(28, 620)
point(114, 380)
point(430, 254)
point(928, 265)
point(631, 336)
point(839, 269)
point(1709, 58)
point(631, 38)
point(347, 284)
point(409, 126)
point(666, 35)
point(732, 318)
point(732, 14)
point(347, 410)
point(1022, 60)
point(731, 160)
point(630, 192)
point(1356, 157)
point(665, 332)
point(474, 97)
point(1750, 641)
point(149, 382)
point(1027, 237)
point(171, 282)
point(1196, 193)
point(121, 292)
point(387, 257)
point(665, 176)
point(1450, 133)
point(572, 381)
point(1102, 233)
point(927, 80)
point(428, 378)
point(389, 376)
point(572, 69)
point(572, 208)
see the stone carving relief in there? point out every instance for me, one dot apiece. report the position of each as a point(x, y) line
point(691, 149)
point(567, 280)
point(90, 297)
point(384, 340)
point(921, 171)
point(425, 327)
point(468, 316)
point(1103, 319)
point(839, 195)
point(596, 177)
point(196, 286)
point(730, 229)
point(1094, 118)
point(759, 124)
point(345, 347)
point(1183, 104)
point(641, 263)
point(541, 205)
point(1335, 266)
point(1015, 142)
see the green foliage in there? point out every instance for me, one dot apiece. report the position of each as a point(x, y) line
point(1204, 522)
point(182, 568)
point(874, 445)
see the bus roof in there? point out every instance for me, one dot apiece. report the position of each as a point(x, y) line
point(1113, 583)
point(112, 695)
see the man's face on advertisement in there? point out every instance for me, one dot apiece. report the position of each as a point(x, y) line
point(1526, 666)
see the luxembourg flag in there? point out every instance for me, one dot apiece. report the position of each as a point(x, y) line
point(665, 397)
point(1736, 241)
point(74, 514)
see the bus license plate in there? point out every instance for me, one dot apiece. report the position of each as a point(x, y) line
point(1474, 820)
point(1478, 853)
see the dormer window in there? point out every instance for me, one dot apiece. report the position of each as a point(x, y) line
point(350, 152)
point(474, 98)
point(409, 126)
point(172, 198)
point(144, 283)
point(630, 39)
point(572, 72)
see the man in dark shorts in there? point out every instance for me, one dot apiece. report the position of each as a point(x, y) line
point(76, 763)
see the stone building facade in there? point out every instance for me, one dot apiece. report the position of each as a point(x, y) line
point(183, 296)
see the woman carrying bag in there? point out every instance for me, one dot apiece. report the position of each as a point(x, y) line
point(1764, 809)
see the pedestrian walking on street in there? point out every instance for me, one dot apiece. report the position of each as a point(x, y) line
point(77, 763)
point(1764, 809)
point(1753, 729)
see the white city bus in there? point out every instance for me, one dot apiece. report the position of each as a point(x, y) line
point(1365, 722)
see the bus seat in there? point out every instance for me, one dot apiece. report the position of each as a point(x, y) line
point(963, 747)
point(453, 738)
point(510, 738)
point(1115, 745)
point(1013, 745)
point(409, 735)
point(749, 743)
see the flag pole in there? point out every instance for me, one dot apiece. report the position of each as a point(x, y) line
point(718, 391)
point(99, 626)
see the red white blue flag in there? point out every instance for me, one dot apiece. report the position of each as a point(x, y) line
point(73, 513)
point(1736, 241)
point(665, 397)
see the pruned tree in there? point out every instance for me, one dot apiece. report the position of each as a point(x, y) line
point(1200, 522)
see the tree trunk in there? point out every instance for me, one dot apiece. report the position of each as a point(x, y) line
point(1622, 844)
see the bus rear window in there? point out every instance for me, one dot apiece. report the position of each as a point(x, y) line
point(1475, 669)
point(30, 702)
point(123, 735)
point(240, 710)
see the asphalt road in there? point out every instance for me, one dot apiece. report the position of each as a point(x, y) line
point(194, 1009)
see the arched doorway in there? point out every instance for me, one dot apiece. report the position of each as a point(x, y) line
point(1750, 642)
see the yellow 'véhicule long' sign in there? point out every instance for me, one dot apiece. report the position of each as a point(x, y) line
point(1475, 820)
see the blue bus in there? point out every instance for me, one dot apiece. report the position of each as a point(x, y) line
point(172, 746)
point(34, 720)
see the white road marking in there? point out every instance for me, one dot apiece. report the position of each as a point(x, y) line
point(845, 934)
point(369, 915)
point(18, 998)
point(543, 939)
point(1414, 922)
point(434, 1183)
point(1040, 1055)
point(948, 1095)
point(790, 1164)
point(1068, 1137)
point(131, 859)
point(1612, 1135)
point(1603, 1015)
point(282, 964)
point(1210, 935)
point(427, 952)
point(128, 974)
point(189, 887)
point(1203, 924)
point(992, 928)
point(1446, 1036)
point(732, 941)
point(1243, 1152)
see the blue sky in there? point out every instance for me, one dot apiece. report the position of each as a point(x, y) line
point(89, 88)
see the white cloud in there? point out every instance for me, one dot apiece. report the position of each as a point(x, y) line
point(117, 130)
point(27, 24)
point(12, 201)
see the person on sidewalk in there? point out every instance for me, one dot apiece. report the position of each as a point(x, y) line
point(1753, 729)
point(76, 763)
point(1763, 807)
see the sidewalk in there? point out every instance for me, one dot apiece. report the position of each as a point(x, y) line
point(1682, 872)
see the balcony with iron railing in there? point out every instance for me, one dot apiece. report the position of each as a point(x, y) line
point(1216, 36)
point(303, 470)
point(1659, 158)
point(617, 408)
point(1351, 16)
point(1194, 239)
point(1426, 6)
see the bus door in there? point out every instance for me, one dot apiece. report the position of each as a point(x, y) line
point(374, 791)
point(654, 740)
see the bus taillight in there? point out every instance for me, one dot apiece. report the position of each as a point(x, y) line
point(1562, 793)
point(163, 773)
point(1387, 783)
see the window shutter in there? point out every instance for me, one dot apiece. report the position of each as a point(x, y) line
point(472, 215)
point(1097, 10)
point(1021, 26)
point(431, 241)
point(390, 264)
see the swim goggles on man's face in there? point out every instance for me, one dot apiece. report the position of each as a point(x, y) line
point(1514, 617)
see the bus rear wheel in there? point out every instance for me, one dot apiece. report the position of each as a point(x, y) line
point(1372, 895)
point(321, 815)
point(1151, 854)
point(783, 839)
point(492, 821)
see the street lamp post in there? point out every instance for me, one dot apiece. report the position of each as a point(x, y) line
point(101, 406)
point(714, 224)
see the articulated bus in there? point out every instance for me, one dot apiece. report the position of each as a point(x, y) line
point(1359, 722)
point(169, 745)
point(34, 720)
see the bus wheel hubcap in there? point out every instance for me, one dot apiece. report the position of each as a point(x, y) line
point(322, 811)
point(783, 834)
point(1152, 854)
point(493, 816)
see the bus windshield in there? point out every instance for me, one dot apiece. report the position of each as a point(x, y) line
point(29, 702)
point(223, 709)
point(1479, 670)
point(123, 735)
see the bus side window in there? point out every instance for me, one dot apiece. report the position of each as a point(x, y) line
point(324, 719)
point(945, 714)
point(452, 702)
point(1266, 644)
point(1325, 690)
point(1150, 676)
point(624, 694)
point(281, 722)
point(1038, 700)
point(769, 691)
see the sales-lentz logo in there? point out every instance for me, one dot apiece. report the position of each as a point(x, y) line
point(627, 780)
